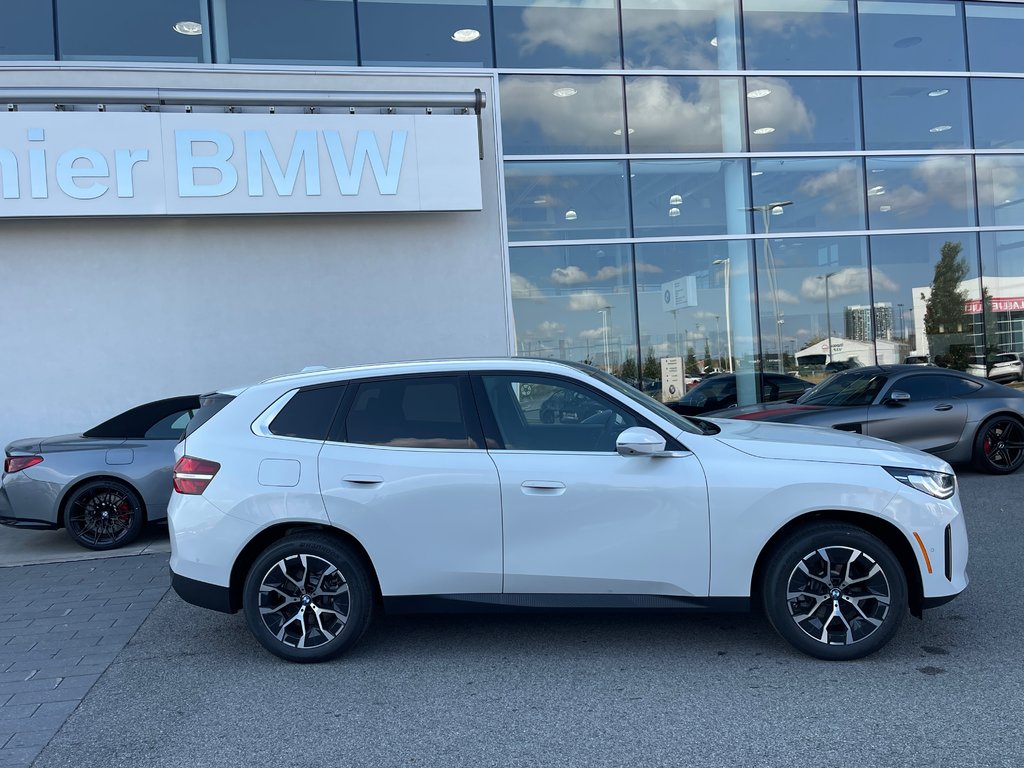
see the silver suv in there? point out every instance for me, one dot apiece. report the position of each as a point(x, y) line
point(1004, 367)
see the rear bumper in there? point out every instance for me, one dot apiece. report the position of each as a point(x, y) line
point(204, 595)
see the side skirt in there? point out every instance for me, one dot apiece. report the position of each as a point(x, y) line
point(532, 603)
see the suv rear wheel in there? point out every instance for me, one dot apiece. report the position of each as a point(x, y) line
point(308, 598)
point(835, 592)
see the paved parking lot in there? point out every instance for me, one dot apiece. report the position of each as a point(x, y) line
point(191, 688)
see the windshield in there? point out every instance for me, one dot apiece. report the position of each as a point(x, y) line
point(640, 398)
point(845, 389)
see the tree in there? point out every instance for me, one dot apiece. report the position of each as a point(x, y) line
point(707, 352)
point(944, 319)
point(691, 362)
point(652, 366)
point(991, 326)
point(628, 371)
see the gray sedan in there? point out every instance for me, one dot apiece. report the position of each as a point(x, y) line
point(101, 485)
point(954, 415)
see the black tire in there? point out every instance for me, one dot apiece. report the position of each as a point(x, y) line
point(999, 446)
point(297, 615)
point(802, 591)
point(104, 514)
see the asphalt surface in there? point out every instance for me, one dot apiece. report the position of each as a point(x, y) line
point(192, 688)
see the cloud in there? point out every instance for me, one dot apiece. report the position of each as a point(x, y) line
point(592, 28)
point(846, 282)
point(587, 301)
point(944, 178)
point(997, 181)
point(785, 297)
point(842, 187)
point(592, 333)
point(549, 328)
point(781, 109)
point(571, 275)
point(574, 275)
point(523, 288)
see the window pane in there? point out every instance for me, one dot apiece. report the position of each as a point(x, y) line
point(582, 34)
point(1000, 190)
point(695, 304)
point(566, 200)
point(924, 387)
point(289, 32)
point(1002, 257)
point(170, 427)
point(688, 197)
point(930, 280)
point(812, 290)
point(684, 114)
point(27, 31)
point(129, 30)
point(546, 414)
point(910, 192)
point(799, 34)
point(994, 32)
point(575, 303)
point(998, 108)
point(680, 34)
point(916, 113)
point(824, 194)
point(409, 413)
point(308, 414)
point(561, 115)
point(425, 34)
point(911, 35)
point(803, 113)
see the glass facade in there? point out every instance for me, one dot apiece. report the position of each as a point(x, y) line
point(742, 184)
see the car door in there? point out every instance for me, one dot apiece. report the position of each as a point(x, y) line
point(405, 471)
point(578, 518)
point(932, 420)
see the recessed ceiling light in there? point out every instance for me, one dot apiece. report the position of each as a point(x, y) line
point(939, 92)
point(940, 128)
point(878, 170)
point(675, 200)
point(875, 191)
point(1007, 201)
point(465, 35)
point(673, 212)
point(908, 42)
point(541, 201)
point(758, 93)
point(714, 42)
point(629, 131)
point(757, 173)
point(564, 92)
point(570, 215)
point(188, 28)
point(763, 131)
point(885, 208)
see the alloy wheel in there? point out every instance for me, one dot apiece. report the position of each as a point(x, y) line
point(838, 595)
point(103, 518)
point(1003, 444)
point(304, 601)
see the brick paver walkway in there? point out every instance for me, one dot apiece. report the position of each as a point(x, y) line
point(61, 625)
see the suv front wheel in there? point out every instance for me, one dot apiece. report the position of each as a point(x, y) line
point(835, 592)
point(308, 598)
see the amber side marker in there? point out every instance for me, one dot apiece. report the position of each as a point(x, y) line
point(927, 560)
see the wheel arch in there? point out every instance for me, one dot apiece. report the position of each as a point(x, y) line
point(884, 530)
point(262, 540)
point(73, 487)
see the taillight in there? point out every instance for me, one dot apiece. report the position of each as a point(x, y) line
point(18, 463)
point(192, 475)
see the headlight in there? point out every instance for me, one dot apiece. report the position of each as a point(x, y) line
point(941, 485)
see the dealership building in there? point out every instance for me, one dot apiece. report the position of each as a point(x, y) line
point(197, 194)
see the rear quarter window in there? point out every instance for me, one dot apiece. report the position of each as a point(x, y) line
point(309, 413)
point(209, 406)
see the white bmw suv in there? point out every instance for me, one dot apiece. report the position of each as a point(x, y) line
point(311, 501)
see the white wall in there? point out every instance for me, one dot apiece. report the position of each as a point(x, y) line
point(102, 314)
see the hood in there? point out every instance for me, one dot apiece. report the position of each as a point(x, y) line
point(804, 443)
point(765, 411)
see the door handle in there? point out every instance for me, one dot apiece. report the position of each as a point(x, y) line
point(944, 407)
point(543, 487)
point(367, 480)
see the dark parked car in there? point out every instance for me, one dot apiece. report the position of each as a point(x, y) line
point(954, 415)
point(566, 407)
point(101, 485)
point(719, 391)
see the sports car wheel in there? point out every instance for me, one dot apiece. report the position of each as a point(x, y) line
point(999, 446)
point(835, 592)
point(103, 514)
point(308, 598)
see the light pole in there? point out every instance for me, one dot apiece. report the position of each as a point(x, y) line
point(605, 325)
point(775, 209)
point(728, 323)
point(903, 322)
point(718, 341)
point(828, 312)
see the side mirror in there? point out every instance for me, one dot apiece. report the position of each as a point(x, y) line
point(639, 441)
point(898, 398)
